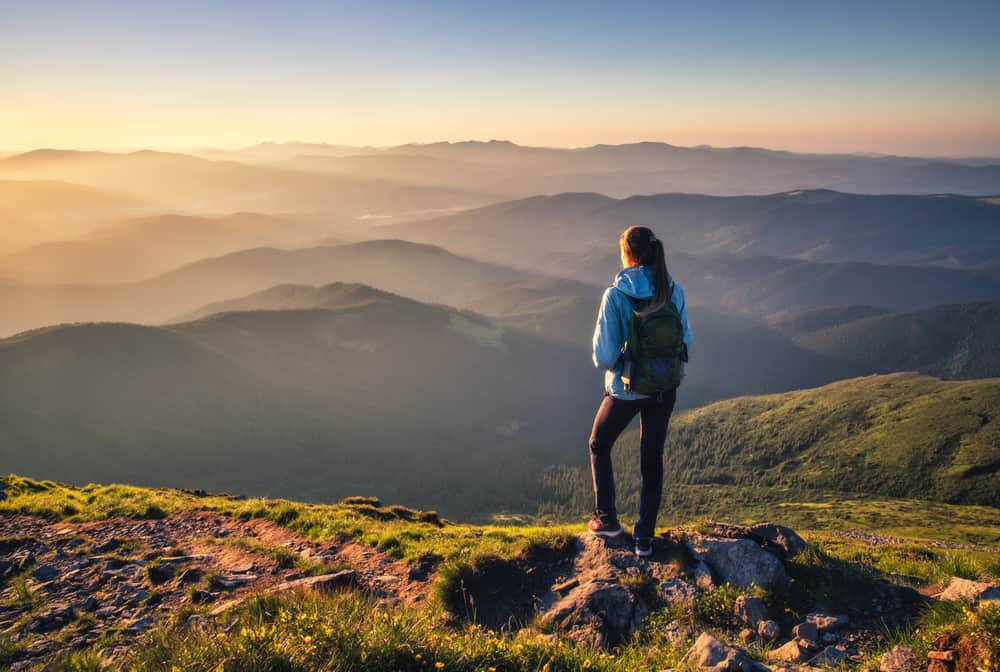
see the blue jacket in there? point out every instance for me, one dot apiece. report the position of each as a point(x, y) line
point(612, 324)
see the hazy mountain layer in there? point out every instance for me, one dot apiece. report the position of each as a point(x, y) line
point(192, 184)
point(419, 271)
point(640, 168)
point(136, 249)
point(827, 226)
point(760, 286)
point(421, 402)
point(32, 211)
point(952, 341)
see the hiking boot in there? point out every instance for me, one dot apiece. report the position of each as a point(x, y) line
point(604, 525)
point(643, 546)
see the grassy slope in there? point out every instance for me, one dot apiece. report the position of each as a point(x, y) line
point(337, 632)
point(866, 439)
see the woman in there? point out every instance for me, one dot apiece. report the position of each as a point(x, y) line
point(643, 284)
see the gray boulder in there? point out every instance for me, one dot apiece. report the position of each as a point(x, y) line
point(768, 630)
point(964, 589)
point(599, 609)
point(785, 538)
point(827, 622)
point(675, 591)
point(750, 611)
point(899, 659)
point(708, 653)
point(740, 562)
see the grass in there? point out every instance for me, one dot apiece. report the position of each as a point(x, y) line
point(349, 632)
point(399, 531)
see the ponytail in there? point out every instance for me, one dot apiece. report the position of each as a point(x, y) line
point(640, 245)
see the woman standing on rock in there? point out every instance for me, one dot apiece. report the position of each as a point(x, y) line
point(641, 340)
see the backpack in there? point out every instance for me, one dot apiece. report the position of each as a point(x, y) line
point(654, 350)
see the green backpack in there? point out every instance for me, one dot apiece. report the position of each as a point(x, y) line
point(654, 350)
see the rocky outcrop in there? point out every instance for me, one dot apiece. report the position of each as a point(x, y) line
point(975, 591)
point(708, 653)
point(598, 612)
point(741, 562)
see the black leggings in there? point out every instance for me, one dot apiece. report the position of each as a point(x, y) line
point(613, 416)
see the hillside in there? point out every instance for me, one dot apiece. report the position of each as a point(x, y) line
point(33, 211)
point(952, 341)
point(118, 577)
point(418, 271)
point(900, 435)
point(310, 403)
point(817, 225)
point(297, 297)
point(137, 249)
point(762, 286)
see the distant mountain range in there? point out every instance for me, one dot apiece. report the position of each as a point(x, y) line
point(824, 226)
point(418, 271)
point(190, 184)
point(37, 210)
point(136, 249)
point(641, 168)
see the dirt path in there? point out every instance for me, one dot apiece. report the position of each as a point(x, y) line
point(62, 584)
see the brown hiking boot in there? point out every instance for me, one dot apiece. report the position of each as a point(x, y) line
point(604, 525)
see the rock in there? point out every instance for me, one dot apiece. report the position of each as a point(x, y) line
point(750, 610)
point(785, 538)
point(566, 586)
point(768, 630)
point(790, 652)
point(830, 656)
point(140, 625)
point(196, 622)
point(599, 607)
point(708, 653)
point(23, 562)
point(89, 604)
point(678, 633)
point(676, 591)
point(899, 659)
point(53, 618)
point(189, 576)
point(807, 630)
point(740, 562)
point(746, 634)
point(160, 572)
point(964, 589)
point(702, 575)
point(825, 622)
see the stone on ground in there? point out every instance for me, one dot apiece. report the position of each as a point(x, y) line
point(899, 659)
point(708, 653)
point(740, 562)
point(964, 589)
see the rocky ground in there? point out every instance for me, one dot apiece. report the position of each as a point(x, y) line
point(70, 586)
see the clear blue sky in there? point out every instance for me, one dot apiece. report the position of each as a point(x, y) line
point(905, 77)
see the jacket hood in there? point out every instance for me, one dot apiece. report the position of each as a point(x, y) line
point(636, 281)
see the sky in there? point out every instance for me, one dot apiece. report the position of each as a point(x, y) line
point(908, 78)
